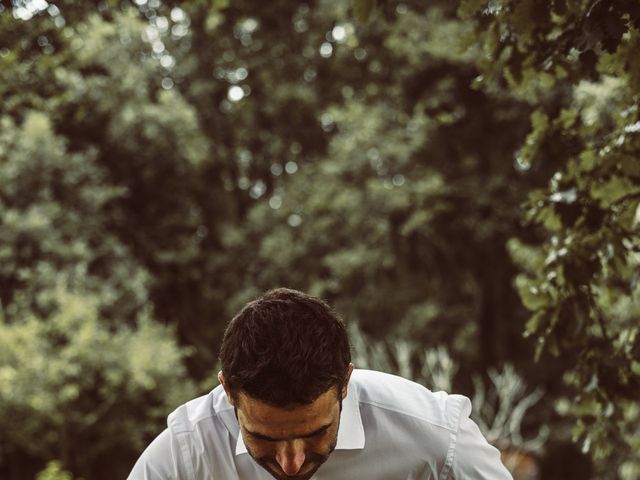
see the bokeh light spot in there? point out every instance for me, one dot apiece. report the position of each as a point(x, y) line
point(398, 180)
point(177, 14)
point(235, 93)
point(326, 49)
point(339, 33)
point(257, 190)
point(291, 167)
point(244, 183)
point(294, 220)
point(167, 61)
point(167, 83)
point(275, 202)
point(276, 169)
point(360, 54)
point(241, 73)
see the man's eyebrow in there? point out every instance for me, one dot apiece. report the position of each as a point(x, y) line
point(260, 436)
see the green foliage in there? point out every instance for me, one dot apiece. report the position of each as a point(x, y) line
point(52, 203)
point(67, 379)
point(164, 164)
point(86, 376)
point(54, 472)
point(581, 281)
point(378, 219)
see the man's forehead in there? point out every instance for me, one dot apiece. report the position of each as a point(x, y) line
point(252, 402)
point(327, 398)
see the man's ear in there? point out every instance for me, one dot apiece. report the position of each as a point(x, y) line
point(345, 384)
point(226, 389)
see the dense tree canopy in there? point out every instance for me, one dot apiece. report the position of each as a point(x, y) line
point(451, 175)
point(576, 62)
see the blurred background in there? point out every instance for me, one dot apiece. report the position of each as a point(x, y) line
point(459, 179)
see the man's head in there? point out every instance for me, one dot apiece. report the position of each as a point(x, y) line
point(285, 367)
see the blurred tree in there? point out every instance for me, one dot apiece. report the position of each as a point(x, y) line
point(403, 222)
point(578, 62)
point(73, 389)
point(189, 155)
point(103, 79)
point(85, 376)
point(263, 92)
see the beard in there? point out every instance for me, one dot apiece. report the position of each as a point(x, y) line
point(313, 462)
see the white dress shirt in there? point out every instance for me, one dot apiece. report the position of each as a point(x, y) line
point(390, 429)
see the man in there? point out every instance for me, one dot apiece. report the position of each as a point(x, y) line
point(291, 406)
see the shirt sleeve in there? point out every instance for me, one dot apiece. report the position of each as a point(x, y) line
point(474, 457)
point(160, 460)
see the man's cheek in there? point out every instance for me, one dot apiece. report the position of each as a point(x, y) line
point(259, 451)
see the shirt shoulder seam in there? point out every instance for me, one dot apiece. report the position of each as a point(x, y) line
point(408, 414)
point(447, 471)
point(184, 429)
point(187, 461)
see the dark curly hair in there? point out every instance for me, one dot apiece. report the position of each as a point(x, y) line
point(285, 348)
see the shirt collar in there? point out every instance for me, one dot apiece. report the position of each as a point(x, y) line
point(351, 431)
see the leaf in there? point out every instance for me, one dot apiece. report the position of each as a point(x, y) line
point(588, 160)
point(549, 218)
point(539, 120)
point(612, 190)
point(533, 324)
point(539, 349)
point(417, 220)
point(530, 294)
point(529, 258)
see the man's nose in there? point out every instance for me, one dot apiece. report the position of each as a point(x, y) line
point(290, 456)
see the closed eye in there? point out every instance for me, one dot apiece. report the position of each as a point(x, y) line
point(316, 433)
